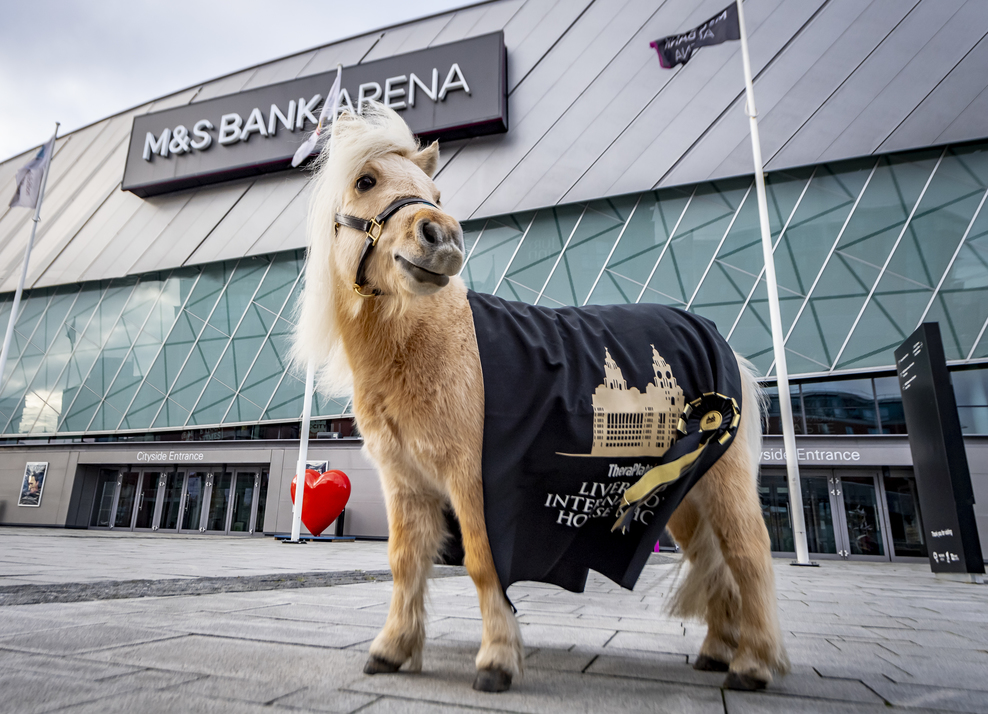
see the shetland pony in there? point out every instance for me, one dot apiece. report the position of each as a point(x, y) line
point(386, 316)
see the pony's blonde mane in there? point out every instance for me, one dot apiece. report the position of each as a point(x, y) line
point(355, 140)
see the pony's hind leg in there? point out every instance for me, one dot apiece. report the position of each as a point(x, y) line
point(708, 591)
point(417, 528)
point(727, 501)
point(499, 659)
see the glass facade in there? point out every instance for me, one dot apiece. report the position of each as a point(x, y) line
point(865, 250)
point(193, 347)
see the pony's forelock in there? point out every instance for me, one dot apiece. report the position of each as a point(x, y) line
point(355, 140)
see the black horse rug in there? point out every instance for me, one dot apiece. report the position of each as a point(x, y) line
point(597, 422)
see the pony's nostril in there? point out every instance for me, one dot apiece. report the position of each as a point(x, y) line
point(431, 233)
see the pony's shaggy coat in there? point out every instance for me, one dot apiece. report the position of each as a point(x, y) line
point(410, 358)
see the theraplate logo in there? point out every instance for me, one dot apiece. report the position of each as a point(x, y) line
point(450, 91)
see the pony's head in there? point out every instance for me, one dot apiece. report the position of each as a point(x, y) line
point(371, 162)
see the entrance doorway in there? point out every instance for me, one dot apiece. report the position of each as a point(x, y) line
point(215, 500)
point(851, 514)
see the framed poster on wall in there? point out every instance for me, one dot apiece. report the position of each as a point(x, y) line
point(33, 483)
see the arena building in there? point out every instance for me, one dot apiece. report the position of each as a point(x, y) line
point(148, 388)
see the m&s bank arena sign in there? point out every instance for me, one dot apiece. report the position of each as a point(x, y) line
point(451, 91)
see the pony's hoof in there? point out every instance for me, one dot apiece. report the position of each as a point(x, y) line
point(709, 664)
point(744, 682)
point(492, 680)
point(379, 665)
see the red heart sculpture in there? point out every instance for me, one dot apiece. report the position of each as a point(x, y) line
point(325, 497)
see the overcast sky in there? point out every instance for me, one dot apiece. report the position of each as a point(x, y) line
point(78, 61)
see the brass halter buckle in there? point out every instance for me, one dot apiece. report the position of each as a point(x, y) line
point(370, 230)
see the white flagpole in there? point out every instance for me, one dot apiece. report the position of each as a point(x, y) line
point(303, 452)
point(326, 118)
point(14, 309)
point(782, 372)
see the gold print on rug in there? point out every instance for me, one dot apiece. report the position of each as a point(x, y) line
point(629, 423)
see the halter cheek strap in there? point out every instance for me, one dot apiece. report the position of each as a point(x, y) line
point(372, 229)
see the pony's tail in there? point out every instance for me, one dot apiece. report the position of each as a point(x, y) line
point(755, 400)
point(708, 577)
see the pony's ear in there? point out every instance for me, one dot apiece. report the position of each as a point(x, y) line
point(428, 159)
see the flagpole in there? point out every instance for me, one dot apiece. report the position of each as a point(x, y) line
point(326, 118)
point(303, 453)
point(782, 371)
point(7, 338)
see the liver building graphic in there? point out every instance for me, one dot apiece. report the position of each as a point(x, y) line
point(629, 423)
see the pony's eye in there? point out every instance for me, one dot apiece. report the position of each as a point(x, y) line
point(365, 183)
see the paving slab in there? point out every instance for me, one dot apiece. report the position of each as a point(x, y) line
point(29, 692)
point(391, 705)
point(926, 696)
point(164, 701)
point(66, 666)
point(257, 691)
point(577, 659)
point(231, 657)
point(83, 638)
point(762, 703)
point(565, 637)
point(247, 626)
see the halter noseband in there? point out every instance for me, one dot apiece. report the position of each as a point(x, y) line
point(372, 229)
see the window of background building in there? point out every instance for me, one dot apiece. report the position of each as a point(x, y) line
point(773, 415)
point(971, 393)
point(872, 405)
point(889, 400)
point(844, 407)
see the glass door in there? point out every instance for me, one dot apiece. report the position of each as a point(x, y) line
point(245, 487)
point(818, 511)
point(773, 492)
point(147, 501)
point(106, 494)
point(218, 519)
point(234, 501)
point(171, 504)
point(861, 514)
point(262, 499)
point(905, 524)
point(126, 500)
point(116, 497)
point(193, 497)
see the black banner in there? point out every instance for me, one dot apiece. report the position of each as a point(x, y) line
point(678, 49)
point(943, 480)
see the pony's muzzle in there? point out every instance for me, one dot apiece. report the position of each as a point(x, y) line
point(440, 245)
point(434, 233)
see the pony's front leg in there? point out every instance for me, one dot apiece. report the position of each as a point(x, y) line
point(500, 657)
point(416, 530)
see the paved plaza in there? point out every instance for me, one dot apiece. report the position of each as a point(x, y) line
point(273, 635)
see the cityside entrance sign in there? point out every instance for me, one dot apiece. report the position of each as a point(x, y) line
point(446, 92)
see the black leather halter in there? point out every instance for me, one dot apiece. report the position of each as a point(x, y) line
point(373, 229)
